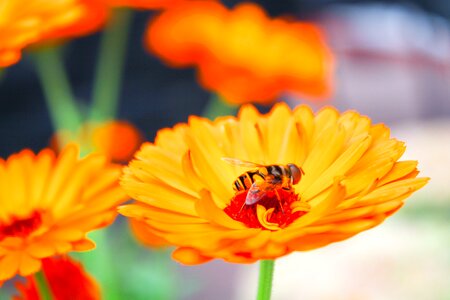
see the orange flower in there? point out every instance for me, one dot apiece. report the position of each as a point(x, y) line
point(66, 279)
point(117, 140)
point(38, 21)
point(242, 54)
point(48, 204)
point(184, 189)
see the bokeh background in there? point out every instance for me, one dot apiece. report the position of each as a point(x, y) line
point(393, 64)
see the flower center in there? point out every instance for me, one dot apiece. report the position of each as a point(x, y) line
point(275, 210)
point(20, 227)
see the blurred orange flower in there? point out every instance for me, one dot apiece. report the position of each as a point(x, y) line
point(117, 140)
point(242, 54)
point(48, 204)
point(183, 189)
point(66, 279)
point(36, 21)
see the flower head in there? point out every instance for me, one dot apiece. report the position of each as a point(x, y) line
point(117, 140)
point(48, 204)
point(242, 54)
point(66, 279)
point(187, 194)
point(38, 21)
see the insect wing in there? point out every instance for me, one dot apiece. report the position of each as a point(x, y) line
point(255, 193)
point(241, 163)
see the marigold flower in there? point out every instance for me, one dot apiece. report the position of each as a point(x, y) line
point(48, 204)
point(66, 279)
point(38, 21)
point(183, 188)
point(117, 140)
point(242, 54)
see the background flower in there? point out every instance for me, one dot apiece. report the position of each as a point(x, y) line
point(43, 21)
point(353, 181)
point(49, 203)
point(242, 54)
point(117, 140)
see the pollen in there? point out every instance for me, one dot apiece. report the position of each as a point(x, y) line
point(21, 227)
point(270, 213)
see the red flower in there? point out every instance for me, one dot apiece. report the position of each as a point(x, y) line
point(66, 279)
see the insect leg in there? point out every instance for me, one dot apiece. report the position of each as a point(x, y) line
point(279, 200)
point(243, 204)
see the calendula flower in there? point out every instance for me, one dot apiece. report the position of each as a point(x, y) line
point(48, 204)
point(66, 279)
point(242, 54)
point(346, 178)
point(117, 140)
point(45, 21)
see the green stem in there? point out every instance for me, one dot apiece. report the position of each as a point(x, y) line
point(58, 94)
point(265, 279)
point(42, 284)
point(110, 66)
point(101, 264)
point(217, 107)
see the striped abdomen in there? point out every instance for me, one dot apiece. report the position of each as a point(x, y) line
point(277, 172)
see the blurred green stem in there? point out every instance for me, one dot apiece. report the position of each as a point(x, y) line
point(58, 94)
point(104, 107)
point(42, 285)
point(266, 268)
point(102, 265)
point(110, 66)
point(217, 107)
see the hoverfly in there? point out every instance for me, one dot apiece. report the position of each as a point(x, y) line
point(264, 178)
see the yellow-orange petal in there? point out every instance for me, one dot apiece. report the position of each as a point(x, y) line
point(29, 265)
point(144, 235)
point(189, 256)
point(83, 245)
point(9, 265)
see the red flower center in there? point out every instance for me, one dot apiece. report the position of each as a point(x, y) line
point(20, 227)
point(279, 200)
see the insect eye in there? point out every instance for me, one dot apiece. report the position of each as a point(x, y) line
point(296, 173)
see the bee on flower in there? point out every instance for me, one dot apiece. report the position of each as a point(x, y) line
point(313, 179)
